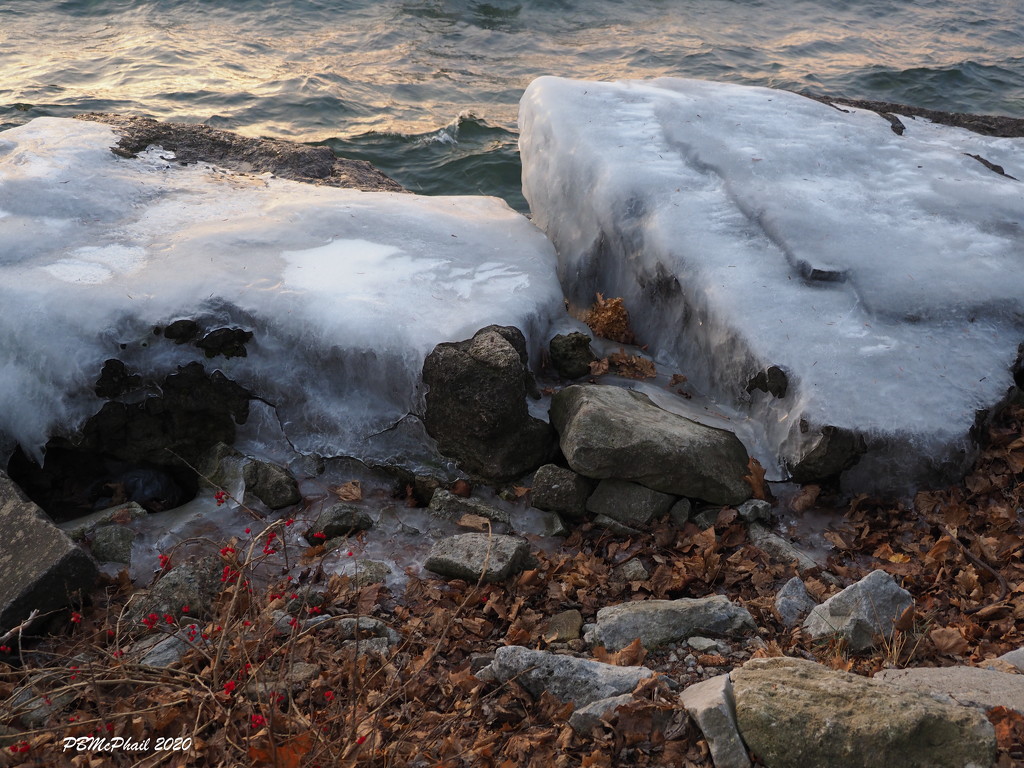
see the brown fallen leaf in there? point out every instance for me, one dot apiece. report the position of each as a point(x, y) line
point(806, 498)
point(474, 523)
point(461, 488)
point(949, 641)
point(756, 479)
point(350, 491)
point(609, 319)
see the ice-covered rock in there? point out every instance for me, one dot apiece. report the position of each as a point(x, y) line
point(344, 292)
point(853, 288)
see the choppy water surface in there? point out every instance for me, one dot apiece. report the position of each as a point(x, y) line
point(428, 89)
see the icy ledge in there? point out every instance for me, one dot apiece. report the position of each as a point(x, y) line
point(752, 230)
point(345, 291)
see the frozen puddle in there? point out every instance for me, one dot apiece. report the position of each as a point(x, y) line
point(751, 230)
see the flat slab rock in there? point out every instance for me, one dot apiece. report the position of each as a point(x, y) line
point(754, 232)
point(610, 432)
point(794, 713)
point(969, 686)
point(40, 567)
point(471, 556)
point(567, 678)
point(657, 622)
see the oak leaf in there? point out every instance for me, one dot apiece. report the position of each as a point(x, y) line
point(350, 491)
point(948, 640)
point(756, 479)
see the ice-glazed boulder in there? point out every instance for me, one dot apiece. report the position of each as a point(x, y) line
point(319, 300)
point(857, 288)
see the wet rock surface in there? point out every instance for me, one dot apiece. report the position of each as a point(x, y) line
point(192, 143)
point(476, 405)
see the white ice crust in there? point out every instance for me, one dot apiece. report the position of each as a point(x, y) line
point(345, 291)
point(747, 227)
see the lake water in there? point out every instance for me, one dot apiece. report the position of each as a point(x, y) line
point(428, 89)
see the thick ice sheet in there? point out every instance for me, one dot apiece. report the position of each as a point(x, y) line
point(747, 227)
point(345, 291)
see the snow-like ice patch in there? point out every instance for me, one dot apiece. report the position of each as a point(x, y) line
point(346, 292)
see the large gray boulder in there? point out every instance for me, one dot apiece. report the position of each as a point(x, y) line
point(40, 567)
point(862, 612)
point(794, 713)
point(609, 432)
point(476, 408)
point(657, 622)
point(567, 678)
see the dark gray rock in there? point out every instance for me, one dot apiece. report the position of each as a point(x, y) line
point(680, 512)
point(609, 432)
point(338, 520)
point(42, 698)
point(476, 405)
point(778, 548)
point(567, 678)
point(630, 503)
point(585, 719)
point(40, 567)
point(557, 489)
point(451, 507)
point(271, 484)
point(834, 451)
point(193, 143)
point(472, 556)
point(792, 602)
point(657, 622)
point(862, 612)
point(193, 411)
point(571, 354)
point(220, 466)
point(195, 584)
point(81, 527)
point(112, 543)
point(794, 713)
point(754, 509)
